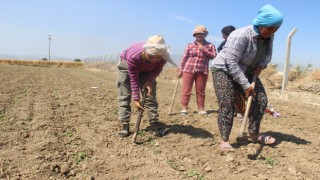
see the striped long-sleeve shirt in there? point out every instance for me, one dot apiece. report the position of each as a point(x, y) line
point(197, 59)
point(137, 65)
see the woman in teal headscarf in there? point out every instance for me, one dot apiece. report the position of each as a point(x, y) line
point(248, 50)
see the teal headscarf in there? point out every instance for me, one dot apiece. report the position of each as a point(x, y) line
point(268, 16)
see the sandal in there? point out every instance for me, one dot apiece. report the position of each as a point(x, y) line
point(203, 113)
point(184, 112)
point(262, 139)
point(265, 139)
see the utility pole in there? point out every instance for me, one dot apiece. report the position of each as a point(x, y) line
point(49, 37)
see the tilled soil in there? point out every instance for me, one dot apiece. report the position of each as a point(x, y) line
point(59, 123)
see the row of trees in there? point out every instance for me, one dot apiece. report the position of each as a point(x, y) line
point(75, 60)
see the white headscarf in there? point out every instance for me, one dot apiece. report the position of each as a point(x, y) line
point(155, 45)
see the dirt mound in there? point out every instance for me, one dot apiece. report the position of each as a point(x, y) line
point(309, 82)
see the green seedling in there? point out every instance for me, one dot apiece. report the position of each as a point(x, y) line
point(78, 157)
point(195, 174)
point(114, 111)
point(5, 162)
point(1, 117)
point(69, 133)
point(142, 133)
point(270, 161)
point(152, 142)
point(172, 164)
point(2, 128)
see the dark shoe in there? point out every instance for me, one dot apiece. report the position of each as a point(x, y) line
point(124, 132)
point(158, 129)
point(155, 126)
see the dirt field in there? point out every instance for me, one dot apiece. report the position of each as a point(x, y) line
point(60, 123)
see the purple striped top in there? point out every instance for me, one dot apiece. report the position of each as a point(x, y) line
point(137, 65)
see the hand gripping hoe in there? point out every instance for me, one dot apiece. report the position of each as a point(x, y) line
point(242, 133)
point(140, 111)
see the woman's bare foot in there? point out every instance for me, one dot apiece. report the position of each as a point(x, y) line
point(225, 146)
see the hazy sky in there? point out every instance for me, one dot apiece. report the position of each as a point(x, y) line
point(89, 28)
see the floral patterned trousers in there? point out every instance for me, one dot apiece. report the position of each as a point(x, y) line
point(225, 88)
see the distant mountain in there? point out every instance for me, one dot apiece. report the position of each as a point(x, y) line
point(35, 57)
point(4, 56)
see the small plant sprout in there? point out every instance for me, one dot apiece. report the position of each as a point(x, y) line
point(172, 164)
point(78, 157)
point(69, 133)
point(194, 173)
point(142, 133)
point(270, 161)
